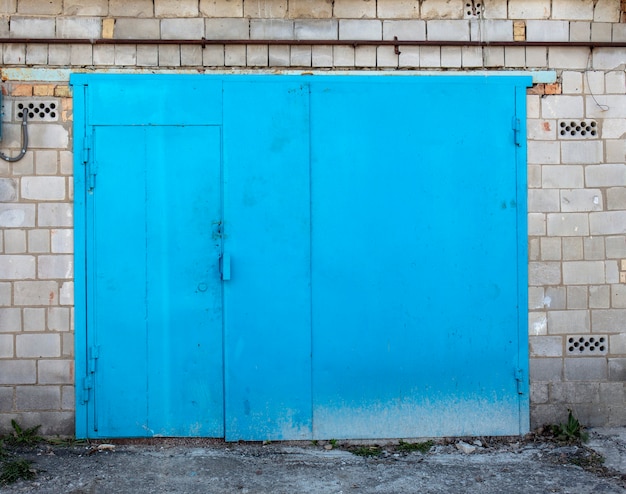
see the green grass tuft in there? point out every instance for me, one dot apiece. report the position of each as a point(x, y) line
point(367, 451)
point(22, 436)
point(423, 447)
point(570, 431)
point(12, 471)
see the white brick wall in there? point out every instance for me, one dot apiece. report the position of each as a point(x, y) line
point(43, 188)
point(174, 8)
point(398, 9)
point(79, 27)
point(441, 9)
point(360, 29)
point(608, 223)
point(271, 29)
point(453, 30)
point(357, 9)
point(568, 224)
point(529, 9)
point(32, 27)
point(590, 233)
point(578, 200)
point(565, 9)
point(55, 214)
point(38, 193)
point(577, 187)
point(547, 30)
point(316, 29)
point(16, 267)
point(404, 30)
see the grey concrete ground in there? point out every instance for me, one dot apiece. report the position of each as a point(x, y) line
point(486, 465)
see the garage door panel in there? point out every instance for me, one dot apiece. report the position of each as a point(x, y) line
point(116, 287)
point(267, 224)
point(132, 100)
point(155, 330)
point(409, 280)
point(183, 291)
point(332, 257)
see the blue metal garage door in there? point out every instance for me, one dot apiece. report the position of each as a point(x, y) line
point(293, 257)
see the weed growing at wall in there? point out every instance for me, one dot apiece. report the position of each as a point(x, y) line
point(367, 451)
point(571, 431)
point(401, 447)
point(423, 447)
point(23, 437)
point(12, 468)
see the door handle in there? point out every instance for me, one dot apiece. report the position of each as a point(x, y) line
point(225, 266)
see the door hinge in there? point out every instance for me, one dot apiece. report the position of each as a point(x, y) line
point(85, 390)
point(91, 176)
point(522, 382)
point(87, 146)
point(94, 354)
point(89, 162)
point(517, 128)
point(88, 381)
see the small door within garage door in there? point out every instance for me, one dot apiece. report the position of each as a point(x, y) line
point(297, 257)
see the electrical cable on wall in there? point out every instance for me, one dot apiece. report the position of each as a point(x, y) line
point(589, 68)
point(24, 141)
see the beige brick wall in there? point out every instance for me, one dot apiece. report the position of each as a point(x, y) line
point(577, 246)
point(576, 183)
point(36, 294)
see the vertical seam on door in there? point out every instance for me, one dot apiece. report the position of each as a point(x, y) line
point(522, 255)
point(311, 314)
point(146, 294)
point(223, 232)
